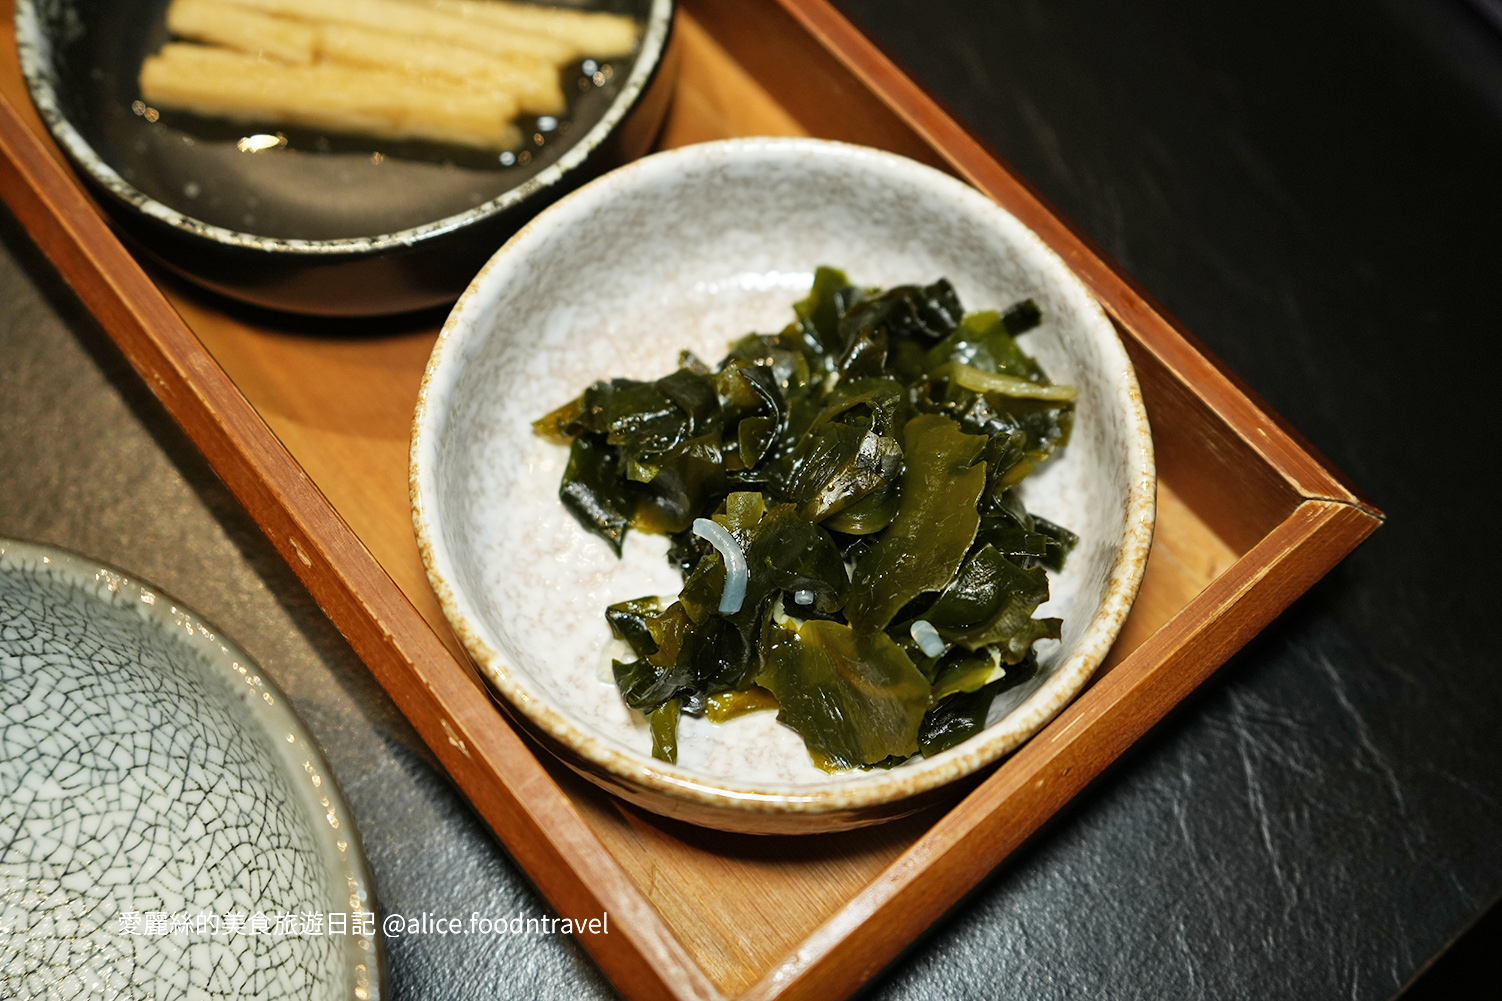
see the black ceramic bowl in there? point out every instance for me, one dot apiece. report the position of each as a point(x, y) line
point(324, 224)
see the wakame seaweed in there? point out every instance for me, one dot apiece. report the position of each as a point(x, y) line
point(865, 461)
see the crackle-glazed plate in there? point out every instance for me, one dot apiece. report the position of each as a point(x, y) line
point(168, 827)
point(691, 249)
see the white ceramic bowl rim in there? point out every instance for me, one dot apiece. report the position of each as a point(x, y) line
point(33, 51)
point(875, 787)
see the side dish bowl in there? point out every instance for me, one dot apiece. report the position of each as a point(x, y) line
point(690, 249)
point(316, 223)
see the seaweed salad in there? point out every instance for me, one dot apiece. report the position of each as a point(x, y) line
point(840, 498)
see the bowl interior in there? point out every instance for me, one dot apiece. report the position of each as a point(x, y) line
point(316, 187)
point(692, 249)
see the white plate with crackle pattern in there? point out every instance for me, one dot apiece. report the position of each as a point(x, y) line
point(168, 827)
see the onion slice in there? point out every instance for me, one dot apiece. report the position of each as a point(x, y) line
point(927, 637)
point(736, 574)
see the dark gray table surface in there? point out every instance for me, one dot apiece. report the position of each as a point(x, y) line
point(1318, 197)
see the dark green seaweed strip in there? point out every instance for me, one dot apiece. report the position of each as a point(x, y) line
point(855, 698)
point(864, 460)
point(935, 523)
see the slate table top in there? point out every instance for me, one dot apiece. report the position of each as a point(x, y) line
point(1316, 192)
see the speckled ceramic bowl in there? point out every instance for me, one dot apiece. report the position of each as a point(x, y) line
point(690, 249)
point(326, 224)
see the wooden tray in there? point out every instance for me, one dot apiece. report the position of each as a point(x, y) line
point(308, 422)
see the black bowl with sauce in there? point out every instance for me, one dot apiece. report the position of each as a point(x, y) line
point(303, 222)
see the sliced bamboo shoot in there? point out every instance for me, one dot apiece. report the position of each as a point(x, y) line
point(413, 21)
point(245, 30)
point(532, 82)
point(226, 84)
point(591, 33)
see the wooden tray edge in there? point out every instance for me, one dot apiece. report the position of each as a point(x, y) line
point(532, 817)
point(1294, 458)
point(1054, 766)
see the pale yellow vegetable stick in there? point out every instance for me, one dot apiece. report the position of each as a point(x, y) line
point(226, 84)
point(591, 33)
point(246, 30)
point(533, 82)
point(404, 19)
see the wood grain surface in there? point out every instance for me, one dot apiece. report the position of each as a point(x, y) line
point(308, 423)
point(498, 773)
